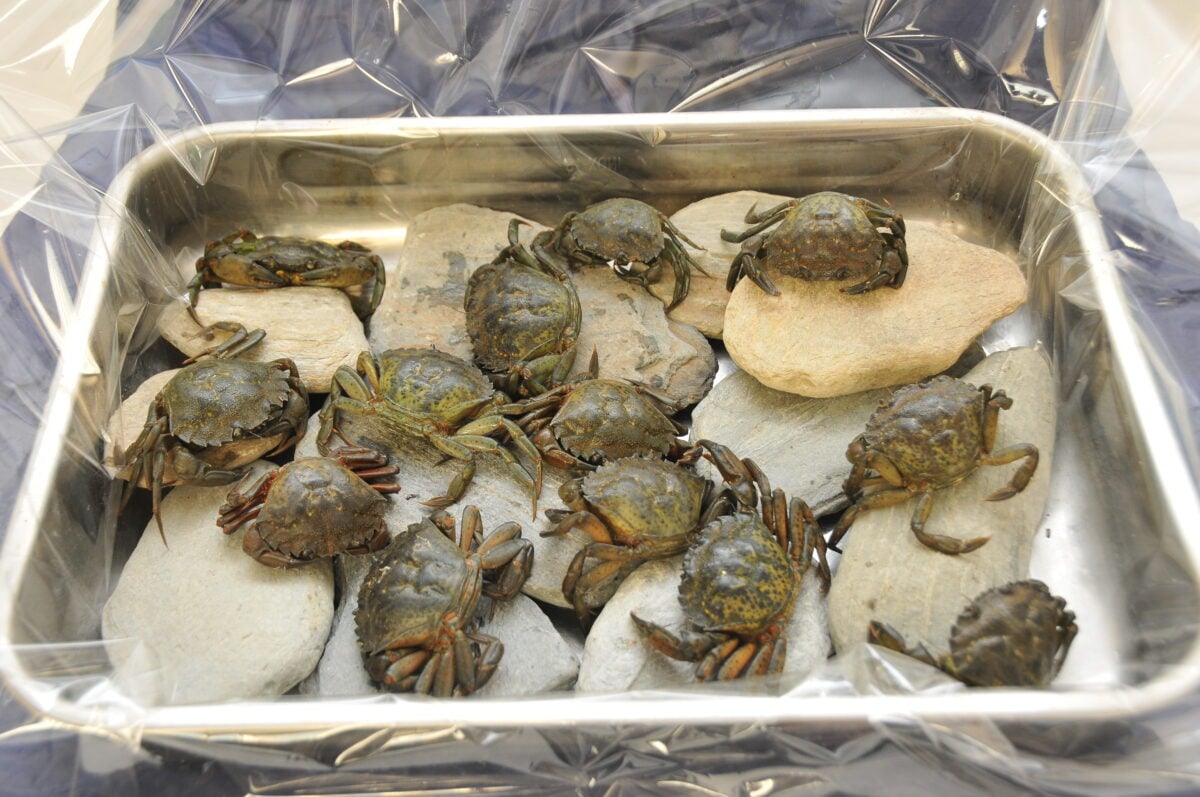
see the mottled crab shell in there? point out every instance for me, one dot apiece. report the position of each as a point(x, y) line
point(214, 401)
point(824, 234)
point(513, 310)
point(621, 230)
point(429, 381)
point(638, 498)
point(931, 431)
point(317, 508)
point(410, 587)
point(736, 577)
point(604, 420)
point(1010, 636)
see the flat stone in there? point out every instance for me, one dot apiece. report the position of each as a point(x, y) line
point(425, 473)
point(885, 574)
point(816, 341)
point(315, 327)
point(423, 305)
point(200, 621)
point(800, 443)
point(536, 657)
point(130, 418)
point(616, 657)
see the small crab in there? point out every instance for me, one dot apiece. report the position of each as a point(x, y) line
point(313, 508)
point(214, 417)
point(416, 616)
point(741, 578)
point(589, 421)
point(927, 436)
point(523, 318)
point(429, 394)
point(1014, 635)
point(627, 234)
point(634, 510)
point(271, 261)
point(825, 236)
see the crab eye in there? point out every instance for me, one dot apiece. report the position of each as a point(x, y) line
point(842, 273)
point(805, 273)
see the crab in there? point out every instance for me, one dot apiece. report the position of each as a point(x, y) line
point(626, 234)
point(313, 508)
point(523, 318)
point(429, 394)
point(416, 618)
point(634, 510)
point(270, 261)
point(1017, 634)
point(825, 236)
point(213, 418)
point(927, 436)
point(741, 577)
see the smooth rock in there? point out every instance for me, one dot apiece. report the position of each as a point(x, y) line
point(886, 574)
point(816, 341)
point(424, 306)
point(800, 443)
point(315, 327)
point(425, 473)
point(616, 657)
point(200, 621)
point(536, 657)
point(130, 418)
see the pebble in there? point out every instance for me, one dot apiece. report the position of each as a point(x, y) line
point(616, 657)
point(200, 621)
point(886, 574)
point(315, 327)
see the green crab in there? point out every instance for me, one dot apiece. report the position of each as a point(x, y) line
point(1014, 635)
point(429, 394)
point(313, 508)
point(825, 236)
point(270, 261)
point(741, 577)
point(628, 235)
point(927, 436)
point(416, 620)
point(523, 318)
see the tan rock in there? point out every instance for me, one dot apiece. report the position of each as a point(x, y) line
point(130, 418)
point(816, 341)
point(886, 574)
point(314, 327)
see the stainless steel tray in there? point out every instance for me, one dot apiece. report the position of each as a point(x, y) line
point(1121, 485)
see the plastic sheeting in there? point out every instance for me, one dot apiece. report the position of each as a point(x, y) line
point(1044, 64)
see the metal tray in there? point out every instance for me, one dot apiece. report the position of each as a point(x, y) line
point(1121, 483)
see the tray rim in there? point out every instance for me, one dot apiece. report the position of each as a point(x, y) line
point(1150, 420)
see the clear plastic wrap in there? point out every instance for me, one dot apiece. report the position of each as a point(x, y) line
point(102, 205)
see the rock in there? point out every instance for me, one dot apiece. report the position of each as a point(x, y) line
point(130, 418)
point(616, 657)
point(536, 658)
point(425, 473)
point(424, 306)
point(314, 327)
point(807, 462)
point(886, 574)
point(816, 341)
point(200, 621)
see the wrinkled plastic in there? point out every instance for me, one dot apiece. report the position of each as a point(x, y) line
point(177, 67)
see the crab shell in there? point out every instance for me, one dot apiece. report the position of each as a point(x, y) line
point(290, 259)
point(605, 420)
point(931, 431)
point(421, 577)
point(826, 236)
point(317, 508)
point(621, 230)
point(736, 577)
point(430, 381)
point(638, 498)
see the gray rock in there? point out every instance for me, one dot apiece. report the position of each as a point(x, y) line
point(616, 657)
point(886, 574)
point(315, 327)
point(200, 621)
point(807, 460)
point(816, 341)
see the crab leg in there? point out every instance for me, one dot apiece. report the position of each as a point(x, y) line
point(745, 264)
point(939, 542)
point(1020, 479)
